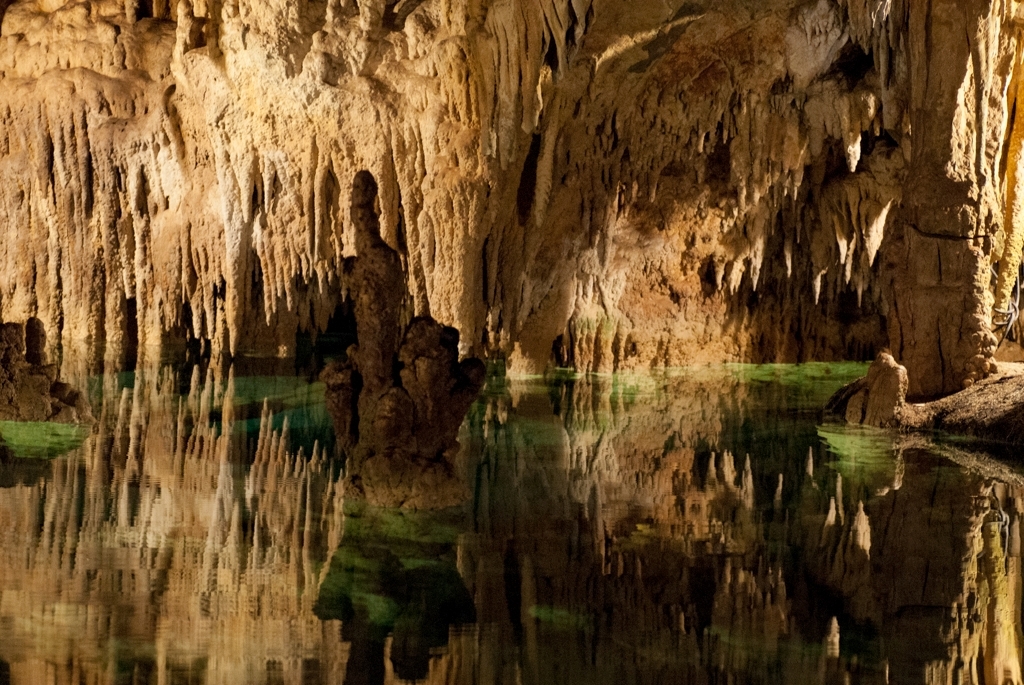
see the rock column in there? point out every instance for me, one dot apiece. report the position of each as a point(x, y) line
point(960, 60)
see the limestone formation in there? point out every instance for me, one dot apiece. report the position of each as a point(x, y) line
point(401, 393)
point(592, 183)
point(29, 388)
point(991, 409)
point(875, 400)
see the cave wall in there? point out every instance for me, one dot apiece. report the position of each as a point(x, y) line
point(581, 182)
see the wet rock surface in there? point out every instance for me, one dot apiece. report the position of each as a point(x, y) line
point(29, 387)
point(992, 409)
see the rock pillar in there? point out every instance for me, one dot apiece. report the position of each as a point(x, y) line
point(960, 60)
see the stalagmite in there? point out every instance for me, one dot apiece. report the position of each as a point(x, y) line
point(399, 397)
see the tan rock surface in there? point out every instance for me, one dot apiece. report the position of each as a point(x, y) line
point(588, 182)
point(991, 409)
point(876, 400)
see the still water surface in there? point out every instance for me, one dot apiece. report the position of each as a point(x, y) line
point(698, 526)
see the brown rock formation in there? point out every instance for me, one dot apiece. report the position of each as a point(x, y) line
point(991, 409)
point(399, 398)
point(875, 400)
point(952, 209)
point(598, 184)
point(29, 389)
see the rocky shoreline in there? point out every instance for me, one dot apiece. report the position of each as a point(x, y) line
point(991, 409)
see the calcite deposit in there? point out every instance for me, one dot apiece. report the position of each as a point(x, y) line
point(591, 183)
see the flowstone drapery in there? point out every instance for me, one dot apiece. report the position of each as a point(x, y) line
point(583, 182)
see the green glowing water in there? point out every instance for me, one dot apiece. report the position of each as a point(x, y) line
point(40, 440)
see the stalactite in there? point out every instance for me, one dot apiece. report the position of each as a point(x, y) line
point(625, 179)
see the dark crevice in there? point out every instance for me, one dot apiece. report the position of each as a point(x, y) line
point(551, 55)
point(256, 200)
point(852, 64)
point(256, 281)
point(51, 161)
point(514, 592)
point(144, 10)
point(142, 196)
point(131, 333)
point(560, 354)
point(185, 330)
point(395, 13)
point(327, 340)
point(528, 181)
point(718, 169)
point(782, 86)
point(570, 31)
point(1005, 153)
point(708, 281)
point(485, 276)
point(400, 239)
point(4, 4)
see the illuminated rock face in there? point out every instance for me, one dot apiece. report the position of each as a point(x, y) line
point(588, 182)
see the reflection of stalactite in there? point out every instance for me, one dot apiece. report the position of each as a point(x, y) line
point(602, 520)
point(170, 544)
point(927, 561)
point(587, 559)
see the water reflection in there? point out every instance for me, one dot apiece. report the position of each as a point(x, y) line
point(696, 527)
